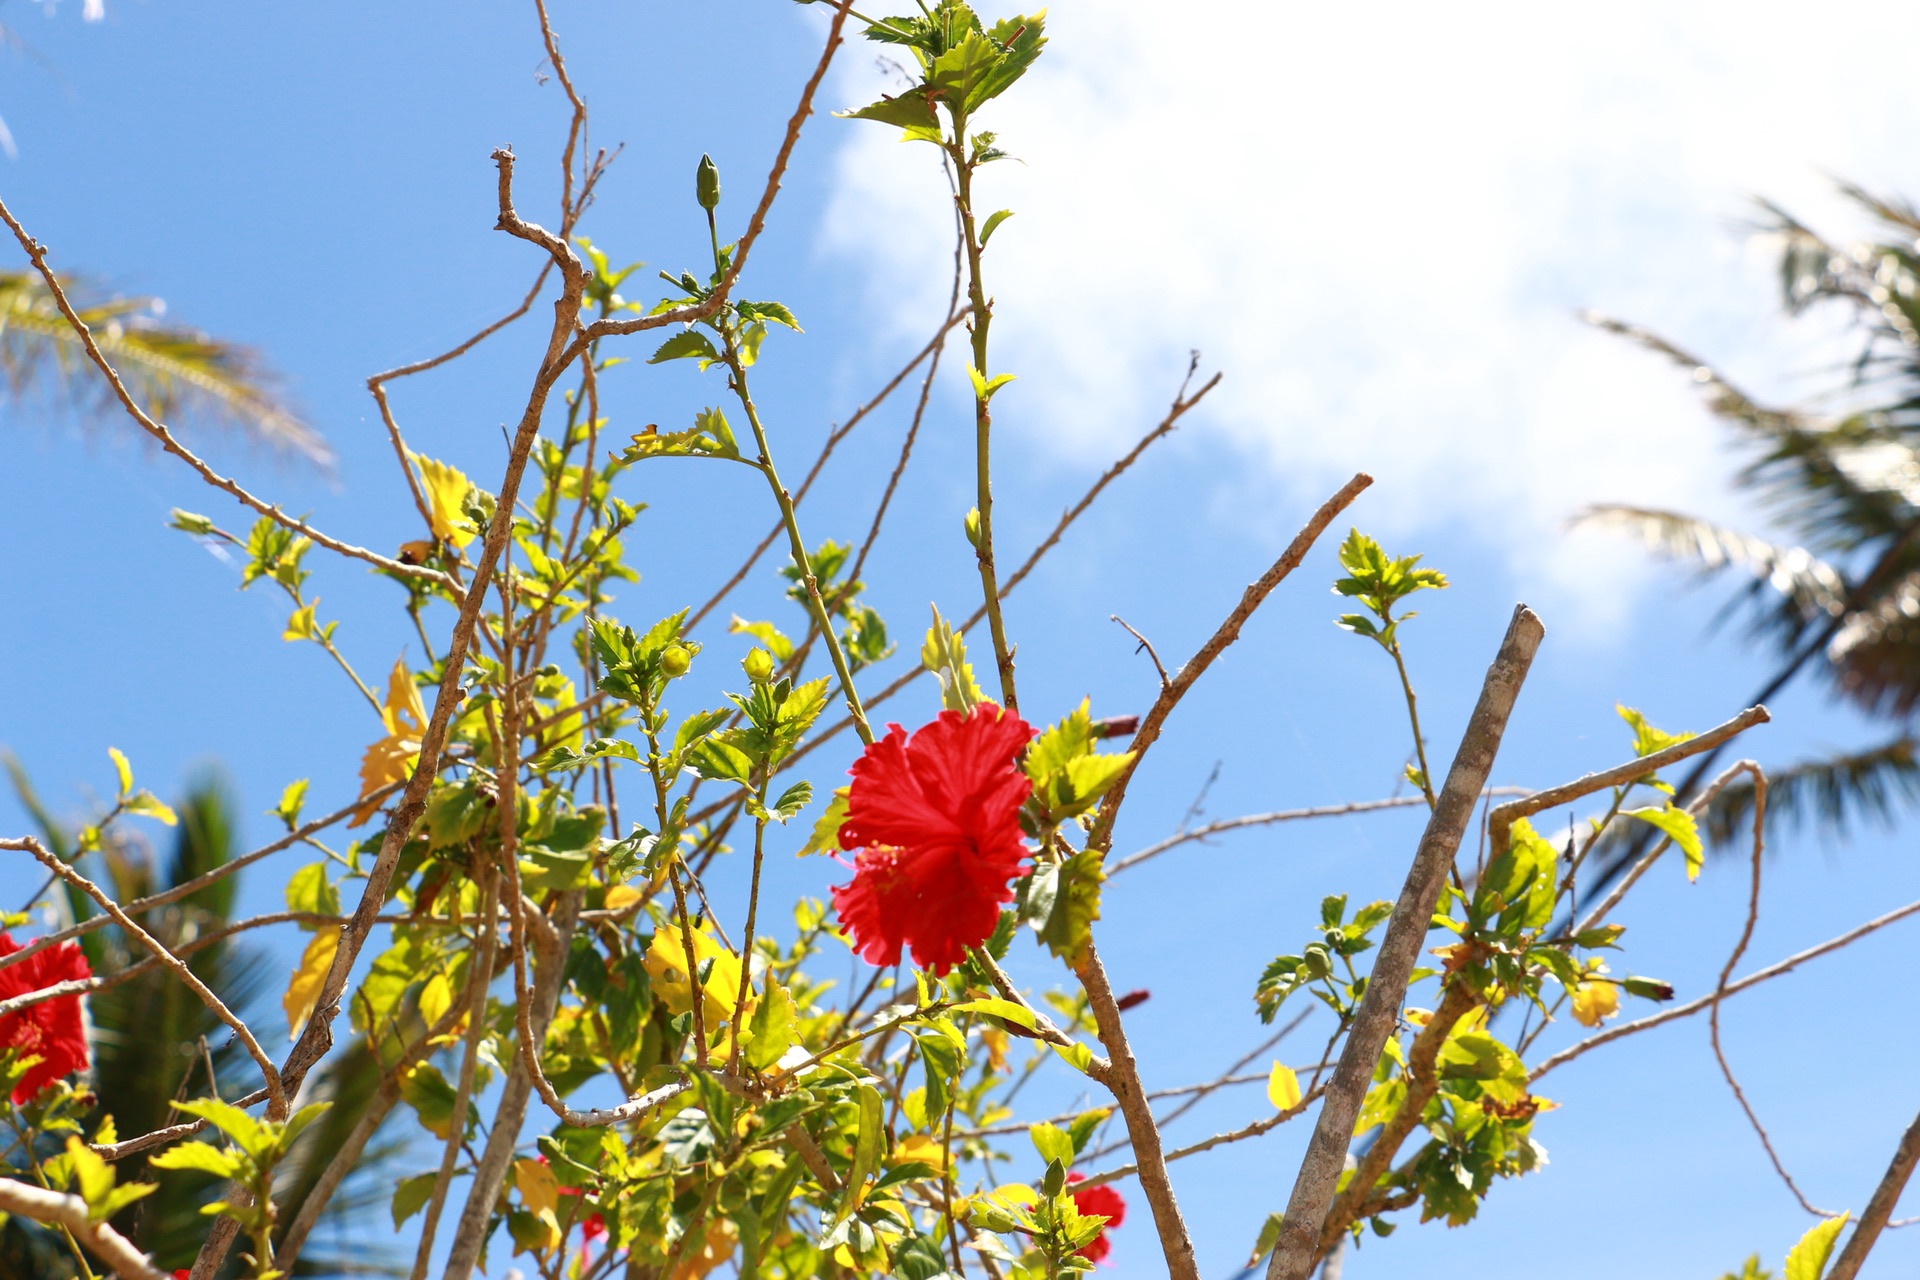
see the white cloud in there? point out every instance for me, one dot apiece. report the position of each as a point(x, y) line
point(1379, 220)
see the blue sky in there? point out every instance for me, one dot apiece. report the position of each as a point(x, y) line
point(1378, 227)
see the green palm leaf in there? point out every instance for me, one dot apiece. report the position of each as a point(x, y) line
point(172, 371)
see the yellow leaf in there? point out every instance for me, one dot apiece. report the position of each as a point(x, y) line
point(1808, 1259)
point(996, 1042)
point(304, 991)
point(918, 1148)
point(666, 964)
point(390, 760)
point(538, 1188)
point(148, 805)
point(436, 997)
point(1595, 1002)
point(300, 625)
point(446, 490)
point(124, 769)
point(622, 896)
point(1283, 1087)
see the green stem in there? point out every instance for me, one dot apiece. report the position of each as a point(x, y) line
point(746, 945)
point(1413, 714)
point(982, 320)
point(816, 604)
point(695, 987)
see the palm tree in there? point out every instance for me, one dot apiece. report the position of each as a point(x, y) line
point(153, 1042)
point(173, 371)
point(1839, 596)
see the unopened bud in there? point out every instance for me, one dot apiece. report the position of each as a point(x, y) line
point(1133, 999)
point(973, 527)
point(1648, 988)
point(675, 662)
point(1116, 726)
point(758, 665)
point(706, 183)
point(1317, 960)
point(189, 522)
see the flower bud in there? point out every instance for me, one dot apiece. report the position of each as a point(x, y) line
point(1317, 960)
point(758, 665)
point(706, 183)
point(1133, 999)
point(675, 662)
point(1648, 988)
point(190, 522)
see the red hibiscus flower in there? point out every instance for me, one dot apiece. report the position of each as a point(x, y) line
point(52, 1029)
point(1102, 1202)
point(936, 820)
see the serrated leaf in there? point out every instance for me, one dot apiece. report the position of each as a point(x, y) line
point(1076, 905)
point(1679, 824)
point(825, 836)
point(687, 344)
point(411, 1196)
point(1052, 1142)
point(792, 801)
point(199, 1156)
point(1808, 1259)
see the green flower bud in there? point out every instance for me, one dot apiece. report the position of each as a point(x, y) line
point(1316, 960)
point(758, 665)
point(189, 522)
point(675, 662)
point(706, 183)
point(1648, 988)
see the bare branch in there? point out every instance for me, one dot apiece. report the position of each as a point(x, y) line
point(70, 1212)
point(1298, 1247)
point(1880, 1207)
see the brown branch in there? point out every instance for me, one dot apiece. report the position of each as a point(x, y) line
point(1726, 973)
point(1268, 819)
point(70, 1212)
point(1101, 837)
point(1753, 979)
point(1880, 1207)
point(1253, 1130)
point(37, 254)
point(839, 433)
point(188, 887)
point(1123, 1078)
point(1501, 820)
point(1298, 1247)
point(276, 1094)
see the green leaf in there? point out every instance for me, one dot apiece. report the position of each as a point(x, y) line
point(1076, 905)
point(198, 1155)
point(1679, 824)
point(983, 388)
point(825, 836)
point(309, 891)
point(1005, 1010)
point(792, 801)
point(252, 1136)
point(766, 633)
point(945, 655)
point(1808, 1259)
point(773, 1028)
point(1052, 1142)
point(993, 221)
point(717, 761)
point(411, 1196)
point(1646, 738)
point(292, 800)
point(912, 112)
point(687, 344)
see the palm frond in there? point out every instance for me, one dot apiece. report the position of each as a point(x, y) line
point(1875, 656)
point(1810, 589)
point(173, 371)
point(1840, 792)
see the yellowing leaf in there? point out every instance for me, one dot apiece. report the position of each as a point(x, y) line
point(391, 759)
point(1679, 824)
point(1595, 1002)
point(666, 963)
point(1283, 1087)
point(918, 1148)
point(304, 991)
point(300, 625)
point(124, 769)
point(446, 491)
point(996, 1042)
point(622, 896)
point(148, 805)
point(1808, 1259)
point(538, 1188)
point(716, 1247)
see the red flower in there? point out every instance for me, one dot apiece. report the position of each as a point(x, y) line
point(51, 1030)
point(936, 820)
point(1104, 1202)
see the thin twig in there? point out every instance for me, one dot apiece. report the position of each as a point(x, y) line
point(1726, 973)
point(1253, 1130)
point(1298, 1248)
point(276, 1094)
point(1101, 837)
point(1144, 644)
point(1753, 979)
